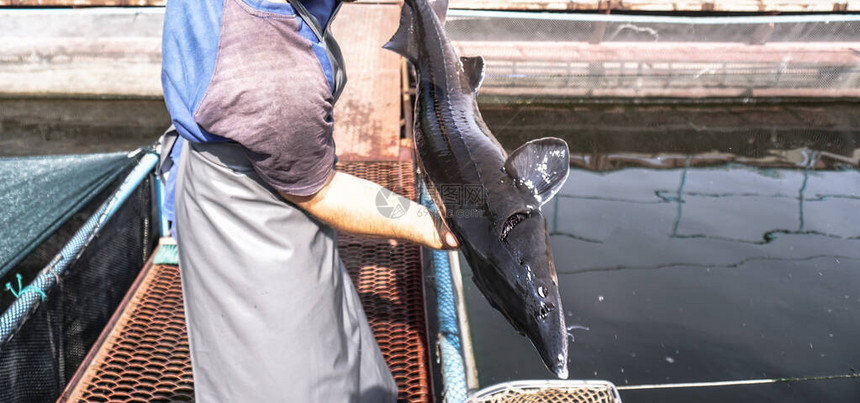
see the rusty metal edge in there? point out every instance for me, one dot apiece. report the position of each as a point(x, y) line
point(428, 338)
point(86, 364)
point(427, 357)
point(406, 104)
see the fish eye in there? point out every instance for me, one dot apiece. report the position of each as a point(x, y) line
point(541, 291)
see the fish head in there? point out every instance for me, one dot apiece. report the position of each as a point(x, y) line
point(537, 170)
point(540, 310)
point(519, 279)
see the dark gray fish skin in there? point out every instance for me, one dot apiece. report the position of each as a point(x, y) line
point(507, 246)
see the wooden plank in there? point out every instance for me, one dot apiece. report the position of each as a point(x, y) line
point(557, 70)
point(367, 116)
point(552, 94)
point(116, 52)
point(822, 54)
point(663, 6)
point(121, 3)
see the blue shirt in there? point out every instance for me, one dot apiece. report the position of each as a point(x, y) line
point(191, 36)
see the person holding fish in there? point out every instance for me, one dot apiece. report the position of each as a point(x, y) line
point(272, 315)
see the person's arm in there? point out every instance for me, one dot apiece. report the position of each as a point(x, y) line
point(348, 204)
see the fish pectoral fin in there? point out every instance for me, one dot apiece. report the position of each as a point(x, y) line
point(404, 40)
point(473, 68)
point(540, 167)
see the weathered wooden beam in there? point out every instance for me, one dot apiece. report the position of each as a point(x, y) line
point(116, 53)
point(755, 6)
point(827, 53)
point(367, 116)
point(95, 53)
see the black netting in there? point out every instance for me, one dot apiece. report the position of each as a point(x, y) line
point(46, 350)
point(41, 256)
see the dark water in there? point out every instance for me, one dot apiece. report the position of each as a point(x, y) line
point(706, 249)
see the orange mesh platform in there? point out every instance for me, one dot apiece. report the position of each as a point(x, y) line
point(144, 355)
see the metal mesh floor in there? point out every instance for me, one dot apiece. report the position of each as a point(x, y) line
point(387, 275)
point(145, 357)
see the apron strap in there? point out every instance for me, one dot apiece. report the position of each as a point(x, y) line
point(335, 56)
point(165, 146)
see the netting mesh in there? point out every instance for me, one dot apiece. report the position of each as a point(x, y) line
point(50, 343)
point(572, 392)
point(30, 266)
point(587, 55)
point(39, 194)
point(387, 275)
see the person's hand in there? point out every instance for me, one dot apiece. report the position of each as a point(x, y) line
point(349, 204)
point(443, 237)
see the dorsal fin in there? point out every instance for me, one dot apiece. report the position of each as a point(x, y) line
point(404, 41)
point(540, 167)
point(473, 68)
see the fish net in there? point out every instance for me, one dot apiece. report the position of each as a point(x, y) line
point(549, 392)
point(47, 340)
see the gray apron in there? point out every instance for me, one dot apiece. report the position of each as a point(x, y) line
point(272, 314)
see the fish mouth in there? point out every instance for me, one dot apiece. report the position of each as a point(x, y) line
point(561, 372)
point(557, 363)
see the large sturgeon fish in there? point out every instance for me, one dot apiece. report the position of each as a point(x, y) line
point(491, 201)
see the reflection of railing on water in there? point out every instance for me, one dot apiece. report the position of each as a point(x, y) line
point(789, 159)
point(811, 160)
point(733, 265)
point(768, 236)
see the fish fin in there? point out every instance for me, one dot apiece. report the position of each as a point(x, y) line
point(474, 68)
point(404, 41)
point(540, 167)
point(440, 8)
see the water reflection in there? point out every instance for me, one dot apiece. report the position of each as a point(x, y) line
point(701, 267)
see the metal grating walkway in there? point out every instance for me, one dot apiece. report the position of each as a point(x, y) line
point(144, 356)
